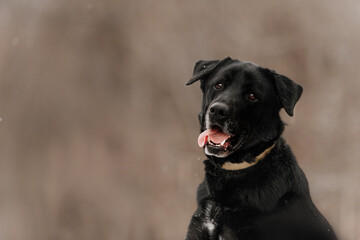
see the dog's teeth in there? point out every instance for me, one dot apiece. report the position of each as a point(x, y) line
point(223, 142)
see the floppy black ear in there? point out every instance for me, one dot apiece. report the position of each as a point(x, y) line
point(288, 92)
point(203, 69)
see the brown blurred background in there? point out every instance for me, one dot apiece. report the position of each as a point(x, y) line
point(98, 130)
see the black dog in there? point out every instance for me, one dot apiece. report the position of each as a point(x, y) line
point(253, 187)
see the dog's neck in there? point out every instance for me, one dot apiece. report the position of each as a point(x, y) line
point(243, 159)
point(239, 166)
point(224, 185)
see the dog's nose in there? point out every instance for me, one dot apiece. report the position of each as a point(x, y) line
point(219, 110)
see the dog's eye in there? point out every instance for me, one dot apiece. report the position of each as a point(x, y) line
point(219, 86)
point(251, 97)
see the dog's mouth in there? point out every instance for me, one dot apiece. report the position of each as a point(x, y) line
point(219, 143)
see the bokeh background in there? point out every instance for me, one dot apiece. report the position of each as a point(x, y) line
point(98, 130)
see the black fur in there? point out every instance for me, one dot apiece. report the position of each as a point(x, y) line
point(270, 200)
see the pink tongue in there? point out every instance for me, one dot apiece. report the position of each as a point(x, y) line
point(215, 135)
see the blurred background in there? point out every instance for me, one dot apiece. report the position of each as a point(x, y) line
point(98, 130)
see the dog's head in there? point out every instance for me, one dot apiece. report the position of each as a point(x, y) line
point(241, 104)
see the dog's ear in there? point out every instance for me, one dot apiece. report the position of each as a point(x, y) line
point(203, 69)
point(288, 92)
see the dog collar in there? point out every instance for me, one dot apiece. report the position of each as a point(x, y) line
point(239, 166)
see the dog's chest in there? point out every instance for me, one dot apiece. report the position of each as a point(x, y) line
point(212, 217)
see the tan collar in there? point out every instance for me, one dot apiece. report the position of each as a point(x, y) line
point(243, 165)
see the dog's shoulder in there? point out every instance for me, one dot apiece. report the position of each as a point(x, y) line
point(202, 192)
